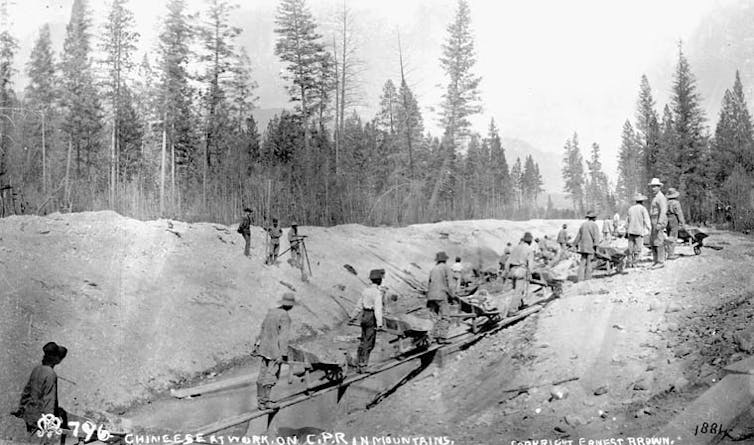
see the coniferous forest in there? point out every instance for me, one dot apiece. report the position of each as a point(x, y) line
point(99, 126)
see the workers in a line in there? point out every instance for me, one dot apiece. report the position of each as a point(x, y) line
point(371, 308)
point(519, 268)
point(675, 221)
point(40, 395)
point(658, 214)
point(274, 233)
point(638, 226)
point(439, 294)
point(586, 242)
point(271, 346)
point(244, 228)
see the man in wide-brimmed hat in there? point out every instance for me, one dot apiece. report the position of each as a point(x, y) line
point(40, 395)
point(519, 269)
point(675, 220)
point(638, 226)
point(658, 214)
point(271, 346)
point(370, 306)
point(439, 294)
point(586, 242)
point(244, 228)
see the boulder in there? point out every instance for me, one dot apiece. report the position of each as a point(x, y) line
point(745, 340)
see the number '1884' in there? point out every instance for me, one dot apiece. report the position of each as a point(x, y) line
point(709, 428)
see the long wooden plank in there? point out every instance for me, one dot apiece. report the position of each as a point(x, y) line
point(220, 385)
point(722, 405)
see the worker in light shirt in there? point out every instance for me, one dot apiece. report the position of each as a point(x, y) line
point(370, 307)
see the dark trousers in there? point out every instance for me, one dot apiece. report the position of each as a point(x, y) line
point(438, 310)
point(368, 336)
point(274, 249)
point(247, 240)
point(585, 266)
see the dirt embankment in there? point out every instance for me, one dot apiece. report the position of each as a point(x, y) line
point(144, 305)
point(640, 347)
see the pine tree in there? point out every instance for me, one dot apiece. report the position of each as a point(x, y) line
point(299, 46)
point(40, 96)
point(665, 166)
point(691, 140)
point(389, 103)
point(8, 48)
point(516, 176)
point(733, 143)
point(630, 161)
point(573, 173)
point(461, 99)
point(646, 131)
point(175, 100)
point(83, 111)
point(118, 46)
point(241, 90)
point(410, 126)
point(598, 189)
point(502, 187)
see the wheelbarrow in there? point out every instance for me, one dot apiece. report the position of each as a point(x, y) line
point(610, 258)
point(693, 236)
point(335, 366)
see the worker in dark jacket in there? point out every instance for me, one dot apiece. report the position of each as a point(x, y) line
point(272, 347)
point(658, 215)
point(370, 307)
point(675, 221)
point(40, 395)
point(439, 293)
point(586, 242)
point(244, 228)
point(274, 232)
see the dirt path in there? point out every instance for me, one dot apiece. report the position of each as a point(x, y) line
point(648, 341)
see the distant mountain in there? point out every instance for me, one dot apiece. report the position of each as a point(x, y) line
point(263, 116)
point(549, 164)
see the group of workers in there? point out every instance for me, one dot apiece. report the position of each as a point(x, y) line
point(274, 233)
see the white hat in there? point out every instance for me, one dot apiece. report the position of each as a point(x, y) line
point(654, 182)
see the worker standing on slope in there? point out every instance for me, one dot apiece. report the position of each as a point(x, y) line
point(457, 270)
point(274, 232)
point(271, 346)
point(675, 220)
point(295, 242)
point(439, 293)
point(658, 214)
point(607, 229)
point(563, 239)
point(244, 228)
point(40, 395)
point(370, 307)
point(637, 227)
point(586, 242)
point(519, 267)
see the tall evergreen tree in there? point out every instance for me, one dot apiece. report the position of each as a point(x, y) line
point(8, 48)
point(175, 98)
point(516, 176)
point(630, 162)
point(461, 98)
point(242, 90)
point(598, 188)
point(83, 110)
point(573, 172)
point(734, 140)
point(410, 126)
point(118, 46)
point(691, 140)
point(646, 131)
point(299, 46)
point(502, 187)
point(666, 166)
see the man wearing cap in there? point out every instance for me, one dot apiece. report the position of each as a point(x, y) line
point(370, 307)
point(272, 347)
point(274, 232)
point(563, 239)
point(637, 227)
point(675, 220)
point(519, 267)
point(439, 293)
point(40, 395)
point(658, 214)
point(244, 228)
point(586, 242)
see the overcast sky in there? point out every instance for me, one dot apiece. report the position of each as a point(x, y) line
point(549, 67)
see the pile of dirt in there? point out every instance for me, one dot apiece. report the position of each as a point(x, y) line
point(143, 306)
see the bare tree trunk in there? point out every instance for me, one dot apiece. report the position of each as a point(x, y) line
point(112, 167)
point(44, 158)
point(409, 129)
point(337, 114)
point(67, 194)
point(162, 168)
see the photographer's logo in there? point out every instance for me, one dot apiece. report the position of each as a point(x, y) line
point(48, 425)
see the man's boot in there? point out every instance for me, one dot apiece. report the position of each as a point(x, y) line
point(262, 399)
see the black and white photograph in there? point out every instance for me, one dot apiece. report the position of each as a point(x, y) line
point(376, 222)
